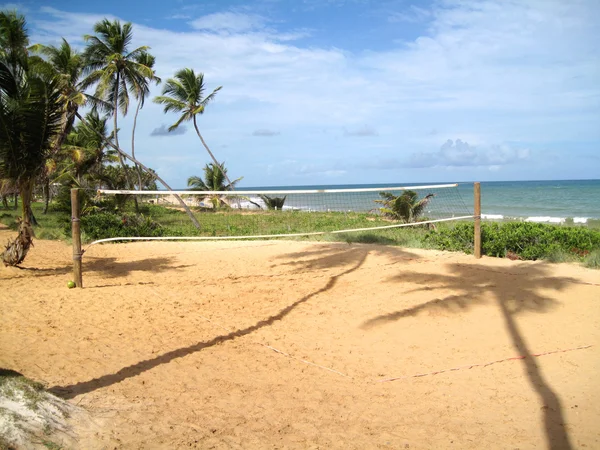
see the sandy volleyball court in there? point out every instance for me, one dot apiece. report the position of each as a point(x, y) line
point(288, 345)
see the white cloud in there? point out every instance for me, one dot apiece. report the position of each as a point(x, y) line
point(229, 21)
point(179, 17)
point(265, 133)
point(411, 14)
point(362, 131)
point(461, 154)
point(163, 130)
point(489, 71)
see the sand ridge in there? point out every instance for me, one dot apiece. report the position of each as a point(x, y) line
point(174, 345)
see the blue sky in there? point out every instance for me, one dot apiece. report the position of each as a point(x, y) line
point(360, 91)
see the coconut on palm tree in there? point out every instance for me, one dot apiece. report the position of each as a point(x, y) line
point(215, 179)
point(184, 94)
point(30, 119)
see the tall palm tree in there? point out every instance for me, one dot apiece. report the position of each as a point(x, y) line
point(141, 92)
point(185, 94)
point(30, 119)
point(214, 180)
point(114, 68)
point(67, 64)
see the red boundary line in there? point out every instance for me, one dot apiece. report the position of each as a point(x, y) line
point(482, 364)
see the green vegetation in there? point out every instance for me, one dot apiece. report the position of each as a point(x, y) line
point(520, 239)
point(30, 119)
point(273, 202)
point(516, 240)
point(215, 179)
point(592, 260)
point(13, 384)
point(46, 145)
point(406, 207)
point(184, 93)
point(47, 148)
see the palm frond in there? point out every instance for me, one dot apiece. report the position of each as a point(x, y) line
point(171, 104)
point(183, 118)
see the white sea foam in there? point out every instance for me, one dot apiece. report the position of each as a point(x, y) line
point(580, 219)
point(545, 219)
point(492, 216)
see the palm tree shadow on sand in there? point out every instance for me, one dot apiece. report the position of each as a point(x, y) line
point(346, 259)
point(473, 282)
point(108, 267)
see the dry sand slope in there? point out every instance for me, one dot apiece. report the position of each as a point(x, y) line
point(284, 345)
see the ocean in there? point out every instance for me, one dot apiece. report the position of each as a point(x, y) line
point(533, 201)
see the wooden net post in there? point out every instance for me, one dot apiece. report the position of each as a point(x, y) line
point(76, 234)
point(477, 240)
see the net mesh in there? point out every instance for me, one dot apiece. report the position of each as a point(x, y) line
point(273, 213)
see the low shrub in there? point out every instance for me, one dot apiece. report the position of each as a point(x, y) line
point(108, 225)
point(530, 241)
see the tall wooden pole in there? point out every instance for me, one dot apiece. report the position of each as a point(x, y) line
point(76, 234)
point(477, 243)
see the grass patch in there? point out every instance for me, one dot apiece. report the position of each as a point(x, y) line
point(592, 260)
point(519, 240)
point(51, 225)
point(13, 383)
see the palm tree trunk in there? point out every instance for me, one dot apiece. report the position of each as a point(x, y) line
point(139, 171)
point(46, 189)
point(211, 154)
point(121, 160)
point(16, 251)
point(66, 129)
point(154, 174)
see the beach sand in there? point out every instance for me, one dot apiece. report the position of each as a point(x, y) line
point(282, 344)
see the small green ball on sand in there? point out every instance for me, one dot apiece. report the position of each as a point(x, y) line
point(71, 284)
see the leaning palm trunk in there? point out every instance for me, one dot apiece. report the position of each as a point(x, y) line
point(231, 186)
point(146, 169)
point(16, 251)
point(116, 134)
point(137, 167)
point(68, 120)
point(211, 154)
point(46, 189)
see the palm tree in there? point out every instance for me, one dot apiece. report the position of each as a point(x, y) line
point(141, 92)
point(146, 169)
point(65, 63)
point(214, 180)
point(406, 207)
point(273, 203)
point(185, 94)
point(30, 120)
point(13, 41)
point(85, 152)
point(114, 68)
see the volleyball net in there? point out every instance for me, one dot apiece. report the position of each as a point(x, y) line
point(265, 214)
